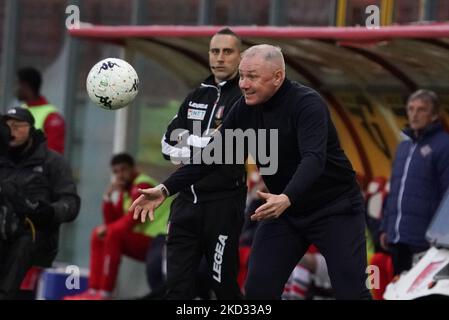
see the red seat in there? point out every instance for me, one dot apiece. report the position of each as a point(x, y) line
point(29, 282)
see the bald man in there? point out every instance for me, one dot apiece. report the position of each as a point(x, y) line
point(313, 196)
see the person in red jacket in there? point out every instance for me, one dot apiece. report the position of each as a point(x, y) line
point(120, 234)
point(46, 115)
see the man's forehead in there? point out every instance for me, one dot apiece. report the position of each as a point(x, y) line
point(251, 63)
point(419, 102)
point(248, 69)
point(120, 166)
point(15, 121)
point(223, 40)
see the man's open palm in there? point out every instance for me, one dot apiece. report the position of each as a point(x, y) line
point(145, 205)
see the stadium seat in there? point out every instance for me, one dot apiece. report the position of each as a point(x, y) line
point(375, 196)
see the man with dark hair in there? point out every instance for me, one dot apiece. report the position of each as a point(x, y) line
point(419, 179)
point(46, 115)
point(201, 219)
point(313, 196)
point(122, 158)
point(120, 234)
point(38, 188)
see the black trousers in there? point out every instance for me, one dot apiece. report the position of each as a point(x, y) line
point(15, 259)
point(338, 231)
point(154, 264)
point(402, 256)
point(210, 230)
point(18, 255)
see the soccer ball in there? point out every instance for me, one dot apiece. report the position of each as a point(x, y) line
point(112, 83)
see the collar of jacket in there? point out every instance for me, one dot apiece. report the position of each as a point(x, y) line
point(39, 101)
point(33, 154)
point(278, 97)
point(210, 81)
point(431, 129)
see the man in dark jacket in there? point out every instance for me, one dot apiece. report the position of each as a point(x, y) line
point(313, 196)
point(200, 215)
point(39, 187)
point(419, 179)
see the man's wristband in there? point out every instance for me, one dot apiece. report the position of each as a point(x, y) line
point(164, 190)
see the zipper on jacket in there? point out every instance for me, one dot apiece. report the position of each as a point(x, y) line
point(401, 192)
point(218, 88)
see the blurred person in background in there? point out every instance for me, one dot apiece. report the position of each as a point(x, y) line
point(37, 194)
point(120, 234)
point(419, 179)
point(45, 114)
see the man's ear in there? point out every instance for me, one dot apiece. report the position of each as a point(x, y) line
point(32, 131)
point(278, 76)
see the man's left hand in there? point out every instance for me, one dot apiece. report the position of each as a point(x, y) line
point(274, 206)
point(43, 216)
point(145, 205)
point(101, 231)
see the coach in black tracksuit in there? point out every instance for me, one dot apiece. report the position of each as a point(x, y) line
point(313, 197)
point(206, 218)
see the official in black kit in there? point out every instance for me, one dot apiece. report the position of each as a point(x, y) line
point(313, 195)
point(206, 218)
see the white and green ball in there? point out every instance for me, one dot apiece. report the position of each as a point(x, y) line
point(112, 83)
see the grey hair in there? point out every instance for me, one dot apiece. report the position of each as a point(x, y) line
point(427, 96)
point(269, 53)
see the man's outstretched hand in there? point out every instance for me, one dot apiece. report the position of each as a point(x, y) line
point(274, 206)
point(145, 205)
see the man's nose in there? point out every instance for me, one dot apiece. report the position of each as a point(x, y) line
point(243, 84)
point(220, 56)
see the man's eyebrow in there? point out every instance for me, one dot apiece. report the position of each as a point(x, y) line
point(218, 48)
